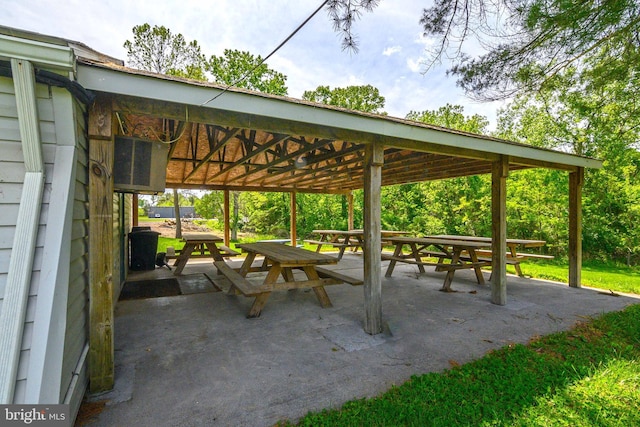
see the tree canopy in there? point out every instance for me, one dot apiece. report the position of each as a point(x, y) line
point(452, 117)
point(364, 98)
point(157, 49)
point(528, 42)
point(242, 69)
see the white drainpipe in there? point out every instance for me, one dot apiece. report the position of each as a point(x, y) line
point(14, 305)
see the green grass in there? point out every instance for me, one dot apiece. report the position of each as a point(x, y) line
point(163, 242)
point(588, 376)
point(147, 219)
point(595, 274)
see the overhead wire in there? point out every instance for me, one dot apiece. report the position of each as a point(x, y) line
point(245, 75)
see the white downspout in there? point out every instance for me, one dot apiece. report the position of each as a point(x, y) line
point(14, 306)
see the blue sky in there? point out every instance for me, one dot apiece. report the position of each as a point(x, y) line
point(391, 47)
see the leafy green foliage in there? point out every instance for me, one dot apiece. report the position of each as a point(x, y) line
point(210, 205)
point(185, 198)
point(530, 42)
point(602, 123)
point(360, 98)
point(455, 206)
point(321, 211)
point(452, 117)
point(242, 69)
point(266, 213)
point(157, 49)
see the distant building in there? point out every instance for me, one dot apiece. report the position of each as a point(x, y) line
point(169, 212)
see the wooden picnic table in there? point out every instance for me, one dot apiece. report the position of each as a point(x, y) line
point(206, 245)
point(281, 260)
point(451, 249)
point(280, 241)
point(513, 256)
point(344, 239)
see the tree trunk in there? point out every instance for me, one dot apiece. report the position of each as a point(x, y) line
point(234, 225)
point(176, 207)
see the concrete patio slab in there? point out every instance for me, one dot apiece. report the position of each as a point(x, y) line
point(195, 360)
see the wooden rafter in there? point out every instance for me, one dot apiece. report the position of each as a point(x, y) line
point(282, 158)
point(214, 145)
point(175, 132)
point(227, 166)
point(318, 164)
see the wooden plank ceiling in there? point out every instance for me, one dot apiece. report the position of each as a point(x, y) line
point(210, 156)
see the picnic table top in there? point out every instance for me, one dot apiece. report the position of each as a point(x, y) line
point(289, 255)
point(523, 242)
point(345, 232)
point(201, 237)
point(358, 232)
point(474, 244)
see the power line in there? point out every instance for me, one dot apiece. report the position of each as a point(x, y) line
point(245, 75)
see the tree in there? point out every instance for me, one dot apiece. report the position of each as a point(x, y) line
point(530, 42)
point(452, 117)
point(242, 69)
point(361, 98)
point(344, 13)
point(601, 123)
point(157, 49)
point(185, 198)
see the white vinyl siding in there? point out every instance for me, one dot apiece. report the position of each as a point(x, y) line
point(12, 172)
point(77, 331)
point(12, 178)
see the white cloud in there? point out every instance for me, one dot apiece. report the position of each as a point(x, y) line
point(413, 64)
point(391, 50)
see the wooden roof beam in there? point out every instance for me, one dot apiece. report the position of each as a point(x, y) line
point(282, 159)
point(214, 147)
point(354, 150)
point(277, 138)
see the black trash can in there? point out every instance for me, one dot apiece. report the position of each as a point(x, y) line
point(143, 247)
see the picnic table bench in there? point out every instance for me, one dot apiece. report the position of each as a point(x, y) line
point(514, 257)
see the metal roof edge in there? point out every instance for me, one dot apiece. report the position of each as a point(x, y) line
point(37, 52)
point(390, 130)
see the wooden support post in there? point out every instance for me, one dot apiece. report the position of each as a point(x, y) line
point(499, 173)
point(576, 180)
point(294, 219)
point(134, 210)
point(374, 159)
point(350, 225)
point(226, 219)
point(101, 344)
